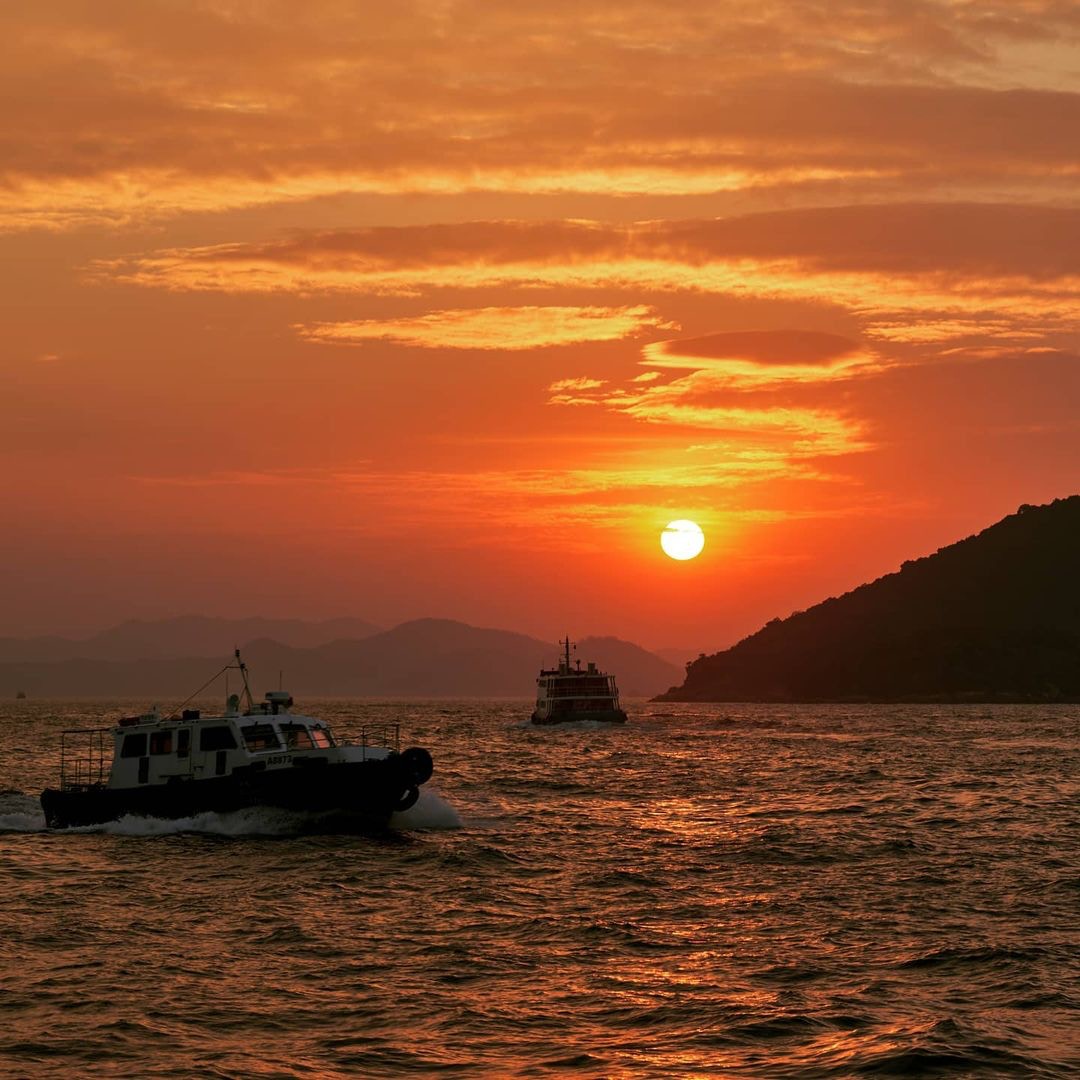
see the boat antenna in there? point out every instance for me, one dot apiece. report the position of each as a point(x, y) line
point(243, 674)
point(224, 671)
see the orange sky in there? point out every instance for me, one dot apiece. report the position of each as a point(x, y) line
point(447, 308)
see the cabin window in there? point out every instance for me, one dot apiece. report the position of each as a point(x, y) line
point(183, 742)
point(161, 742)
point(296, 737)
point(261, 737)
point(321, 738)
point(134, 746)
point(217, 738)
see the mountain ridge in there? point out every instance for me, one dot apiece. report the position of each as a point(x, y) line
point(421, 658)
point(992, 617)
point(181, 635)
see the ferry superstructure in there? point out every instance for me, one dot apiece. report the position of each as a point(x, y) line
point(569, 693)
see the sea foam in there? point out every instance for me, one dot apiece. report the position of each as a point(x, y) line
point(21, 813)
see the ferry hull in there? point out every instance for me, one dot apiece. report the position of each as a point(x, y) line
point(606, 716)
point(366, 793)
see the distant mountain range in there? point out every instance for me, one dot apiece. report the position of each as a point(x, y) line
point(338, 658)
point(995, 617)
point(188, 635)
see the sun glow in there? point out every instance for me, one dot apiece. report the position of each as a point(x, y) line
point(682, 540)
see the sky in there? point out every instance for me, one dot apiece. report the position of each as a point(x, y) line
point(448, 308)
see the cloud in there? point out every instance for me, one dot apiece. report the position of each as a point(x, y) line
point(805, 433)
point(132, 109)
point(761, 347)
point(766, 358)
point(574, 391)
point(1013, 268)
point(502, 328)
point(736, 384)
point(576, 384)
point(790, 432)
point(969, 239)
point(940, 331)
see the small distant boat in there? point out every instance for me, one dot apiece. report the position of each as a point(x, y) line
point(251, 755)
point(21, 695)
point(569, 693)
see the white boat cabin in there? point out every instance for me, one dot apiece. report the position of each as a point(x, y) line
point(151, 749)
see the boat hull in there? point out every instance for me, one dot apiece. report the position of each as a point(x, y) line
point(365, 792)
point(604, 716)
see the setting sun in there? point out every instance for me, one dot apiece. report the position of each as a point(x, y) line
point(682, 540)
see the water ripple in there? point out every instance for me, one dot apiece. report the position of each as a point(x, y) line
point(749, 891)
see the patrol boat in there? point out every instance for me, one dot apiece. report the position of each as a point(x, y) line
point(567, 693)
point(252, 754)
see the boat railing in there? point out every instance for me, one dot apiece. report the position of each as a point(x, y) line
point(572, 692)
point(384, 734)
point(84, 764)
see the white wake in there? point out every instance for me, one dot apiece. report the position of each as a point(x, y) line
point(21, 813)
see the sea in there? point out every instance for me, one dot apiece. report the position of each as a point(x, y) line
point(707, 890)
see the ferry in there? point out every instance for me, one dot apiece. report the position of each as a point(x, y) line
point(568, 693)
point(253, 754)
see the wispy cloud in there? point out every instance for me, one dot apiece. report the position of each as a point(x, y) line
point(794, 433)
point(750, 360)
point(927, 264)
point(722, 391)
point(503, 328)
point(576, 384)
point(575, 391)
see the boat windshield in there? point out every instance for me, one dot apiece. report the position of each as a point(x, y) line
point(300, 737)
point(261, 737)
point(297, 737)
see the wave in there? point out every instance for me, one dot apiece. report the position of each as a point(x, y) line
point(21, 813)
point(979, 957)
point(22, 823)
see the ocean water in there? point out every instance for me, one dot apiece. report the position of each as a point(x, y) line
point(709, 890)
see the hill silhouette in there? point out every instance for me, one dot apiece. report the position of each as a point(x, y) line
point(184, 635)
point(994, 617)
point(422, 658)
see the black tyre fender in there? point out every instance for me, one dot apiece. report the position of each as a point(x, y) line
point(418, 764)
point(408, 798)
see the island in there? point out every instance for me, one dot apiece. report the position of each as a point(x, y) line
point(992, 618)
